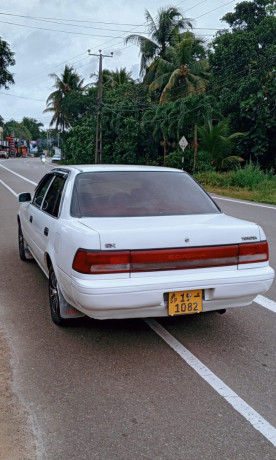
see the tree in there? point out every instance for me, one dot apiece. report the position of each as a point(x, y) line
point(17, 129)
point(258, 115)
point(33, 127)
point(6, 60)
point(80, 143)
point(169, 122)
point(183, 70)
point(219, 143)
point(69, 82)
point(112, 79)
point(237, 80)
point(125, 137)
point(249, 14)
point(169, 22)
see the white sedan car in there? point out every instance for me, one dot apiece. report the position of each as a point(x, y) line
point(137, 241)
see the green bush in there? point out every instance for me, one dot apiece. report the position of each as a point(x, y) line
point(213, 179)
point(248, 177)
point(203, 161)
point(174, 160)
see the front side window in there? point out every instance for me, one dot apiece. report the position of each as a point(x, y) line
point(52, 199)
point(41, 190)
point(138, 193)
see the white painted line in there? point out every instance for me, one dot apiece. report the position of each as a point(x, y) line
point(244, 202)
point(16, 174)
point(11, 190)
point(256, 420)
point(267, 303)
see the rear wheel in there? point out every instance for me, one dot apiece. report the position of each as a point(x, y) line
point(56, 300)
point(24, 252)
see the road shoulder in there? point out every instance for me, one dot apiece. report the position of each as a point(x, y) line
point(17, 441)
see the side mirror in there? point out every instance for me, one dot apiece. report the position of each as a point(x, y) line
point(24, 197)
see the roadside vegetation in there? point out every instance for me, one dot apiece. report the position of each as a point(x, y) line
point(220, 96)
point(249, 183)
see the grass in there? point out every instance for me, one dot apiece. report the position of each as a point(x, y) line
point(249, 183)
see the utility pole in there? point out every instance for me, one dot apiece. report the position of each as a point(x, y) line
point(99, 139)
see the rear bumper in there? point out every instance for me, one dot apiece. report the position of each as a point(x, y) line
point(147, 296)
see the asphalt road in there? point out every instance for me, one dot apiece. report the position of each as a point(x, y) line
point(116, 389)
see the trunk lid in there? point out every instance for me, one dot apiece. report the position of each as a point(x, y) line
point(172, 231)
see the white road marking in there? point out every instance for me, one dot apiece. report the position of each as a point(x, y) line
point(256, 420)
point(11, 190)
point(267, 303)
point(16, 174)
point(244, 202)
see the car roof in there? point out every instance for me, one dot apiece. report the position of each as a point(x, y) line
point(110, 168)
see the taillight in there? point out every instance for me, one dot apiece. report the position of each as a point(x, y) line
point(253, 252)
point(101, 261)
point(104, 262)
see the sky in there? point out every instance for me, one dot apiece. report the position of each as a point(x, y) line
point(46, 35)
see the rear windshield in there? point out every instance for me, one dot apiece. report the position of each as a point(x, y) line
point(138, 193)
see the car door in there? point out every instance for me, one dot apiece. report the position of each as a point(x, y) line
point(45, 218)
point(45, 213)
point(31, 212)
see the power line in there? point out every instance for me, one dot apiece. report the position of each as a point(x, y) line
point(211, 11)
point(22, 97)
point(55, 21)
point(48, 21)
point(60, 31)
point(73, 20)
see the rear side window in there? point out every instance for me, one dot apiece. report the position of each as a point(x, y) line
point(138, 193)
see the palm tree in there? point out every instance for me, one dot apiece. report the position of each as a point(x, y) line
point(68, 82)
point(182, 71)
point(112, 79)
point(121, 76)
point(216, 140)
point(168, 23)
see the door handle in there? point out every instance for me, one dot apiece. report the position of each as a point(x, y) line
point(31, 219)
point(46, 231)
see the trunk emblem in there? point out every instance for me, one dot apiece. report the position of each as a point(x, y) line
point(110, 245)
point(249, 238)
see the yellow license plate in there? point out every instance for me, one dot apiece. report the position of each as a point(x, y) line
point(185, 302)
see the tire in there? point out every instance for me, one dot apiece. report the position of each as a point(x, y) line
point(24, 253)
point(56, 299)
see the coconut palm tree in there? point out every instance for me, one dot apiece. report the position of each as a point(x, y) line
point(121, 76)
point(68, 82)
point(182, 71)
point(161, 30)
point(218, 142)
point(112, 79)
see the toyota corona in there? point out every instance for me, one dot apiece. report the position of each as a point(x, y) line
point(137, 241)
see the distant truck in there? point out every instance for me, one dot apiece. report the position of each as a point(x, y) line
point(33, 147)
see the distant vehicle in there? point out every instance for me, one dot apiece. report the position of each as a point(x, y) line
point(56, 157)
point(138, 241)
point(4, 154)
